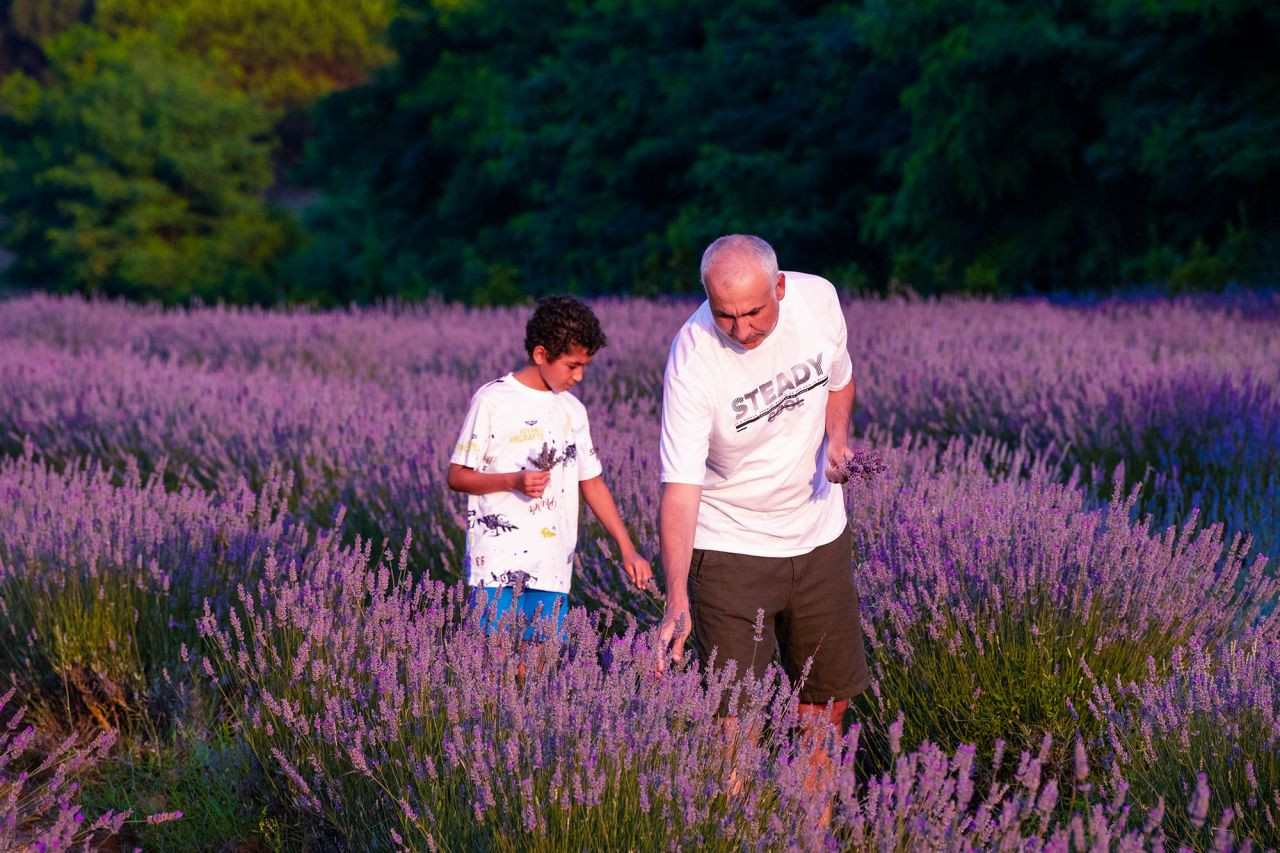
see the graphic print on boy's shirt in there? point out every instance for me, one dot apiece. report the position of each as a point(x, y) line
point(497, 524)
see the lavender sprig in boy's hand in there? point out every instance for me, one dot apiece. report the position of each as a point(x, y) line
point(862, 466)
point(546, 460)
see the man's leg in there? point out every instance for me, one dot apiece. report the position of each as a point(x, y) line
point(822, 630)
point(820, 724)
point(733, 602)
point(734, 599)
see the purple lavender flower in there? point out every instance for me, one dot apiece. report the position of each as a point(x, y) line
point(546, 459)
point(164, 817)
point(1081, 762)
point(1198, 808)
point(162, 459)
point(862, 466)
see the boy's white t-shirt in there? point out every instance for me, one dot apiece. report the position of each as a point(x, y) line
point(508, 532)
point(749, 426)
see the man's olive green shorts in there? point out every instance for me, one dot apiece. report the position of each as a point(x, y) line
point(810, 611)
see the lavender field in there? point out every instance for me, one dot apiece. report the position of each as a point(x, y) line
point(230, 615)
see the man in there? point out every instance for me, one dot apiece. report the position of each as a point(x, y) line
point(756, 402)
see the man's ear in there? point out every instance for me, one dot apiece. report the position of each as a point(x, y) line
point(539, 355)
point(781, 285)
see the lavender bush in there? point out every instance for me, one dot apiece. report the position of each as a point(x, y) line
point(39, 807)
point(988, 601)
point(931, 801)
point(346, 443)
point(102, 580)
point(1182, 391)
point(1213, 713)
point(1015, 585)
point(390, 714)
point(376, 453)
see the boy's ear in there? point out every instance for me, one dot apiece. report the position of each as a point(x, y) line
point(539, 355)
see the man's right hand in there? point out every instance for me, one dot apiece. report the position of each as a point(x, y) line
point(672, 633)
point(532, 483)
point(677, 518)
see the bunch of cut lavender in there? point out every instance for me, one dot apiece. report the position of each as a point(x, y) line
point(862, 466)
point(546, 460)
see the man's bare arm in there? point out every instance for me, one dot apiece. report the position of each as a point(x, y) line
point(677, 520)
point(839, 412)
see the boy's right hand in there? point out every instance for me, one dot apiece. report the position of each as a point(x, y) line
point(532, 483)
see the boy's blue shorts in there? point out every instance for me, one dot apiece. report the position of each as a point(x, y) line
point(536, 605)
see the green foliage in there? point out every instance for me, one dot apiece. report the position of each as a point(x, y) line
point(507, 149)
point(516, 150)
point(26, 24)
point(1074, 144)
point(207, 774)
point(288, 52)
point(135, 172)
point(988, 148)
point(37, 20)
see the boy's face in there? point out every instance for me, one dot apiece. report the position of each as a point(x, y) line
point(564, 372)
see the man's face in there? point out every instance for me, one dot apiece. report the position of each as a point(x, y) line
point(744, 300)
point(562, 373)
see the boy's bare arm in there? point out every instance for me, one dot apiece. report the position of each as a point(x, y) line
point(600, 499)
point(473, 482)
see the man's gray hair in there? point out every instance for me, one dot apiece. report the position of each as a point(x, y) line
point(760, 250)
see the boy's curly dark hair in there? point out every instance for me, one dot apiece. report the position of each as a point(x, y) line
point(559, 322)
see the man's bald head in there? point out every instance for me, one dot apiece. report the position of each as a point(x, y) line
point(743, 285)
point(739, 249)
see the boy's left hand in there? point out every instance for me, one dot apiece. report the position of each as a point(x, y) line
point(637, 568)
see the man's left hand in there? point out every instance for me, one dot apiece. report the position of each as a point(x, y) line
point(837, 454)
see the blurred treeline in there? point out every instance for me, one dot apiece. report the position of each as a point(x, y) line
point(339, 150)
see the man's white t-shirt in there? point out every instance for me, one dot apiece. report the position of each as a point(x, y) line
point(508, 532)
point(749, 426)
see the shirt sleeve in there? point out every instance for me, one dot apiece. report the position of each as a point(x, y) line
point(475, 437)
point(686, 422)
point(841, 363)
point(588, 460)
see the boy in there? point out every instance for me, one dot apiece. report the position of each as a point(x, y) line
point(522, 455)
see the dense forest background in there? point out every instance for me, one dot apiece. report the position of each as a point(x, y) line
point(329, 151)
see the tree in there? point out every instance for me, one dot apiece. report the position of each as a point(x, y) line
point(1079, 144)
point(26, 24)
point(287, 52)
point(522, 147)
point(134, 171)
